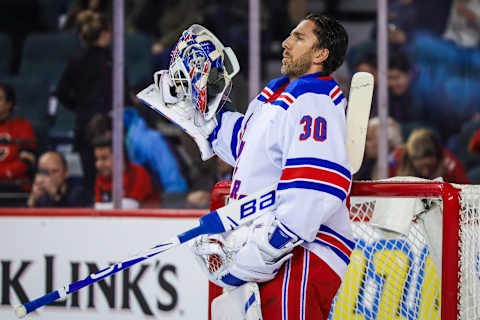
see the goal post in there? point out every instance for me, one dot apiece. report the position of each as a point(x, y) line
point(398, 274)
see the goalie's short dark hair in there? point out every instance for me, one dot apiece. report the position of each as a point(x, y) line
point(332, 36)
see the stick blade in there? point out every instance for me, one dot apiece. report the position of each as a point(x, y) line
point(358, 113)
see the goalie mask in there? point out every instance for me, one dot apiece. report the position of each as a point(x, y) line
point(201, 69)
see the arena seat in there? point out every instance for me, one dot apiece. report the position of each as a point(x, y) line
point(138, 58)
point(47, 54)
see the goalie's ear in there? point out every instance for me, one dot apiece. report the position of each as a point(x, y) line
point(320, 55)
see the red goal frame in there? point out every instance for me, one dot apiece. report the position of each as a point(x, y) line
point(451, 226)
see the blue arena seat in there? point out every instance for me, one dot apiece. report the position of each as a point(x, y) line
point(138, 58)
point(47, 54)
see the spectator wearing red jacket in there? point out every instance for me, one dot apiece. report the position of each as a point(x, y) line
point(17, 145)
point(138, 191)
point(425, 157)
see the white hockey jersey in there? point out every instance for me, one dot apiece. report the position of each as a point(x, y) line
point(294, 134)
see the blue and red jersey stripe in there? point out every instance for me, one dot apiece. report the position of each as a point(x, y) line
point(316, 174)
point(339, 244)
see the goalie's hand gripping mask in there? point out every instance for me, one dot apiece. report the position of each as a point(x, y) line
point(201, 69)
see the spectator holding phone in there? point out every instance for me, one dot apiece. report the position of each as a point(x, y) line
point(52, 188)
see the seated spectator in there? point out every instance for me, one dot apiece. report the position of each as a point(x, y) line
point(369, 168)
point(464, 23)
point(17, 146)
point(138, 191)
point(51, 187)
point(425, 157)
point(150, 149)
point(367, 62)
point(404, 104)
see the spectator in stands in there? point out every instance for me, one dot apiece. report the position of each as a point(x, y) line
point(369, 168)
point(99, 6)
point(405, 105)
point(17, 145)
point(425, 157)
point(402, 21)
point(367, 62)
point(148, 147)
point(199, 197)
point(137, 185)
point(52, 188)
point(86, 84)
point(464, 23)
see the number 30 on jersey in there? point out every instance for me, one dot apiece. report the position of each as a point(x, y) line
point(313, 128)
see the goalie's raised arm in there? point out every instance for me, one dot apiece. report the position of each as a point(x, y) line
point(196, 85)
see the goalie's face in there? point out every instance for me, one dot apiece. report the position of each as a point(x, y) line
point(301, 54)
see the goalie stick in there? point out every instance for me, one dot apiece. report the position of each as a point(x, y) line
point(358, 113)
point(222, 220)
point(239, 212)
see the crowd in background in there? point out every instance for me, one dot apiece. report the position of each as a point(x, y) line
point(433, 81)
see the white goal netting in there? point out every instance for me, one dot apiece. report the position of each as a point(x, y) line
point(410, 265)
point(417, 252)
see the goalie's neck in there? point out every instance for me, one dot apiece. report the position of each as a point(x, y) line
point(320, 75)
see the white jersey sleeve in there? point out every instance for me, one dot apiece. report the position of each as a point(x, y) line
point(225, 137)
point(315, 178)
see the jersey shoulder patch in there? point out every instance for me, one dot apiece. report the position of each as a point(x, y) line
point(271, 87)
point(309, 84)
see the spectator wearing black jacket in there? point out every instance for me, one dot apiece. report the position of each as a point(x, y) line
point(51, 187)
point(86, 85)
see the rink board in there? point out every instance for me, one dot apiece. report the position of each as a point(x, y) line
point(43, 250)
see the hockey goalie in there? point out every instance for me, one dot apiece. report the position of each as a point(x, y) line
point(287, 264)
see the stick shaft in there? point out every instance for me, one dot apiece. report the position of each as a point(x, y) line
point(97, 276)
point(224, 219)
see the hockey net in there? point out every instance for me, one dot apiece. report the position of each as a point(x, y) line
point(417, 253)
